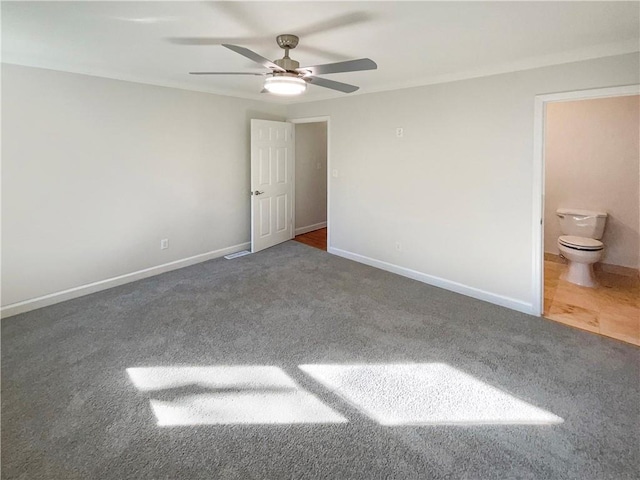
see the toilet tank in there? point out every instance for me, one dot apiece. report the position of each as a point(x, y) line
point(582, 223)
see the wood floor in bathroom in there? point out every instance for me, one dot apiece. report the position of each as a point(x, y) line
point(611, 309)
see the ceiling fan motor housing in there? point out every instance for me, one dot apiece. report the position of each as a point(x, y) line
point(287, 63)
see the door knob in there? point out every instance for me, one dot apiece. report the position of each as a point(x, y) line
point(258, 192)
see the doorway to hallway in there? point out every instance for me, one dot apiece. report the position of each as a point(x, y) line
point(311, 190)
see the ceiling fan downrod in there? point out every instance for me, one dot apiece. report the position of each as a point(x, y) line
point(287, 42)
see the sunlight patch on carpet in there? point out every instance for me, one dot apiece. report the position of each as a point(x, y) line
point(425, 394)
point(228, 395)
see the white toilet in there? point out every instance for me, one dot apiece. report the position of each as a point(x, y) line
point(580, 243)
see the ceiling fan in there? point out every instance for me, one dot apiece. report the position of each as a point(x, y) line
point(286, 77)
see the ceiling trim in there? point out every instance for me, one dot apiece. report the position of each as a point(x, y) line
point(143, 80)
point(589, 53)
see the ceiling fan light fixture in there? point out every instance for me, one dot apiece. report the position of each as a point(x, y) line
point(285, 85)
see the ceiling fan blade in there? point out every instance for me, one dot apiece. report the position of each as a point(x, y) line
point(305, 49)
point(334, 23)
point(332, 84)
point(251, 55)
point(205, 41)
point(227, 73)
point(241, 14)
point(236, 13)
point(348, 66)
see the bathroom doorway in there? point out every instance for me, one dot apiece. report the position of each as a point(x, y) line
point(590, 153)
point(311, 186)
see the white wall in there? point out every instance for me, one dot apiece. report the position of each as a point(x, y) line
point(95, 172)
point(456, 190)
point(592, 156)
point(311, 174)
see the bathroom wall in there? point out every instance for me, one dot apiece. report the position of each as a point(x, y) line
point(311, 176)
point(592, 162)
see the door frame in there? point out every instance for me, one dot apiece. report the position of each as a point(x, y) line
point(323, 119)
point(540, 104)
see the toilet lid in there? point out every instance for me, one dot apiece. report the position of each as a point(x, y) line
point(581, 243)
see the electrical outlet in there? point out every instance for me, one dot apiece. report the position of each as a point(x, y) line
point(334, 173)
point(164, 244)
point(318, 166)
point(399, 132)
point(398, 247)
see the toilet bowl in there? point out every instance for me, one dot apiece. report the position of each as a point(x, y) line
point(581, 253)
point(580, 243)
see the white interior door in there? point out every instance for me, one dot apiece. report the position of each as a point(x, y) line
point(272, 151)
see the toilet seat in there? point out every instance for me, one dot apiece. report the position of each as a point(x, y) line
point(581, 243)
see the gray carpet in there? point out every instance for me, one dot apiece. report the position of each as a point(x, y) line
point(70, 410)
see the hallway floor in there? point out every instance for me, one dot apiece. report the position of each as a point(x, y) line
point(317, 239)
point(611, 309)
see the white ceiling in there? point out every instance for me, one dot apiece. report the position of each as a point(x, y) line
point(414, 43)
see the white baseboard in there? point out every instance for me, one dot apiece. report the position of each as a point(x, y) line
point(501, 300)
point(75, 292)
point(310, 228)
